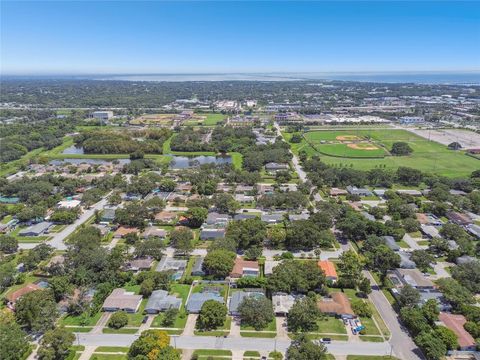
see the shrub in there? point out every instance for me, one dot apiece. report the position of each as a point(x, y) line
point(118, 320)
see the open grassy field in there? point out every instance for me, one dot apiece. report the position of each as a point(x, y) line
point(428, 156)
point(362, 149)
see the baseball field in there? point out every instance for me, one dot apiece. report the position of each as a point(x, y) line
point(366, 149)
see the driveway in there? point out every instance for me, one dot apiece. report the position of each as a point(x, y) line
point(190, 326)
point(281, 323)
point(101, 323)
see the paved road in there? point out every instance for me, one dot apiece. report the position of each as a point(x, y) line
point(403, 346)
point(57, 240)
point(211, 342)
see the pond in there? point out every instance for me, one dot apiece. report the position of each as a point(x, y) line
point(88, 161)
point(185, 162)
point(73, 150)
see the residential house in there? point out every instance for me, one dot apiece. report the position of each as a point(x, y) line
point(243, 268)
point(328, 269)
point(391, 243)
point(336, 305)
point(140, 264)
point(275, 218)
point(68, 204)
point(459, 218)
point(170, 264)
point(244, 189)
point(474, 230)
point(265, 189)
point(124, 231)
point(237, 298)
point(282, 303)
point(296, 217)
point(353, 190)
point(409, 192)
point(212, 233)
point(165, 217)
point(197, 268)
point(405, 262)
point(245, 216)
point(196, 300)
point(269, 265)
point(428, 219)
point(273, 167)
point(215, 218)
point(414, 278)
point(108, 215)
point(120, 299)
point(153, 231)
point(455, 323)
point(160, 300)
point(338, 192)
point(36, 230)
point(429, 231)
point(13, 296)
point(368, 216)
point(242, 198)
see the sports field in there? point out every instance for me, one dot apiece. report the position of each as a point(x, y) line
point(428, 156)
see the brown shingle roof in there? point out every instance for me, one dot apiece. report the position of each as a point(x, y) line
point(240, 265)
point(455, 323)
point(337, 304)
point(17, 294)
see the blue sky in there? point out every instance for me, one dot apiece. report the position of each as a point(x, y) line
point(160, 37)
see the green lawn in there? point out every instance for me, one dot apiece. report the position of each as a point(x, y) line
point(370, 327)
point(427, 155)
point(180, 321)
point(96, 356)
point(258, 334)
point(371, 338)
point(119, 331)
point(135, 320)
point(213, 352)
point(331, 325)
point(112, 349)
point(213, 119)
point(224, 330)
point(80, 320)
point(271, 326)
point(251, 353)
point(79, 329)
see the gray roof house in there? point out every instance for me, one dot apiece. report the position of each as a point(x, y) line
point(245, 216)
point(273, 166)
point(238, 297)
point(429, 231)
point(405, 262)
point(212, 233)
point(196, 300)
point(272, 218)
point(36, 230)
point(391, 243)
point(474, 230)
point(161, 301)
point(108, 215)
point(215, 218)
point(353, 190)
point(197, 269)
point(295, 217)
point(168, 263)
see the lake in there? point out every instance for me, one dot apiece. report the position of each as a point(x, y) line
point(73, 150)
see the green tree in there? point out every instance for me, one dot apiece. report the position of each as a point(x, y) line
point(219, 263)
point(13, 341)
point(37, 311)
point(118, 320)
point(181, 238)
point(408, 296)
point(196, 216)
point(247, 233)
point(60, 286)
point(364, 286)
point(303, 348)
point(401, 149)
point(8, 244)
point(149, 343)
point(432, 346)
point(153, 247)
point(350, 269)
point(448, 337)
point(275, 236)
point(169, 317)
point(225, 203)
point(55, 344)
point(422, 259)
point(256, 311)
point(212, 315)
point(305, 235)
point(295, 276)
point(303, 315)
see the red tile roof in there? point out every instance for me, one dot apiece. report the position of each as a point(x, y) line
point(328, 268)
point(455, 323)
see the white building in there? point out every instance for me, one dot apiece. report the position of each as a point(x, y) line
point(102, 115)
